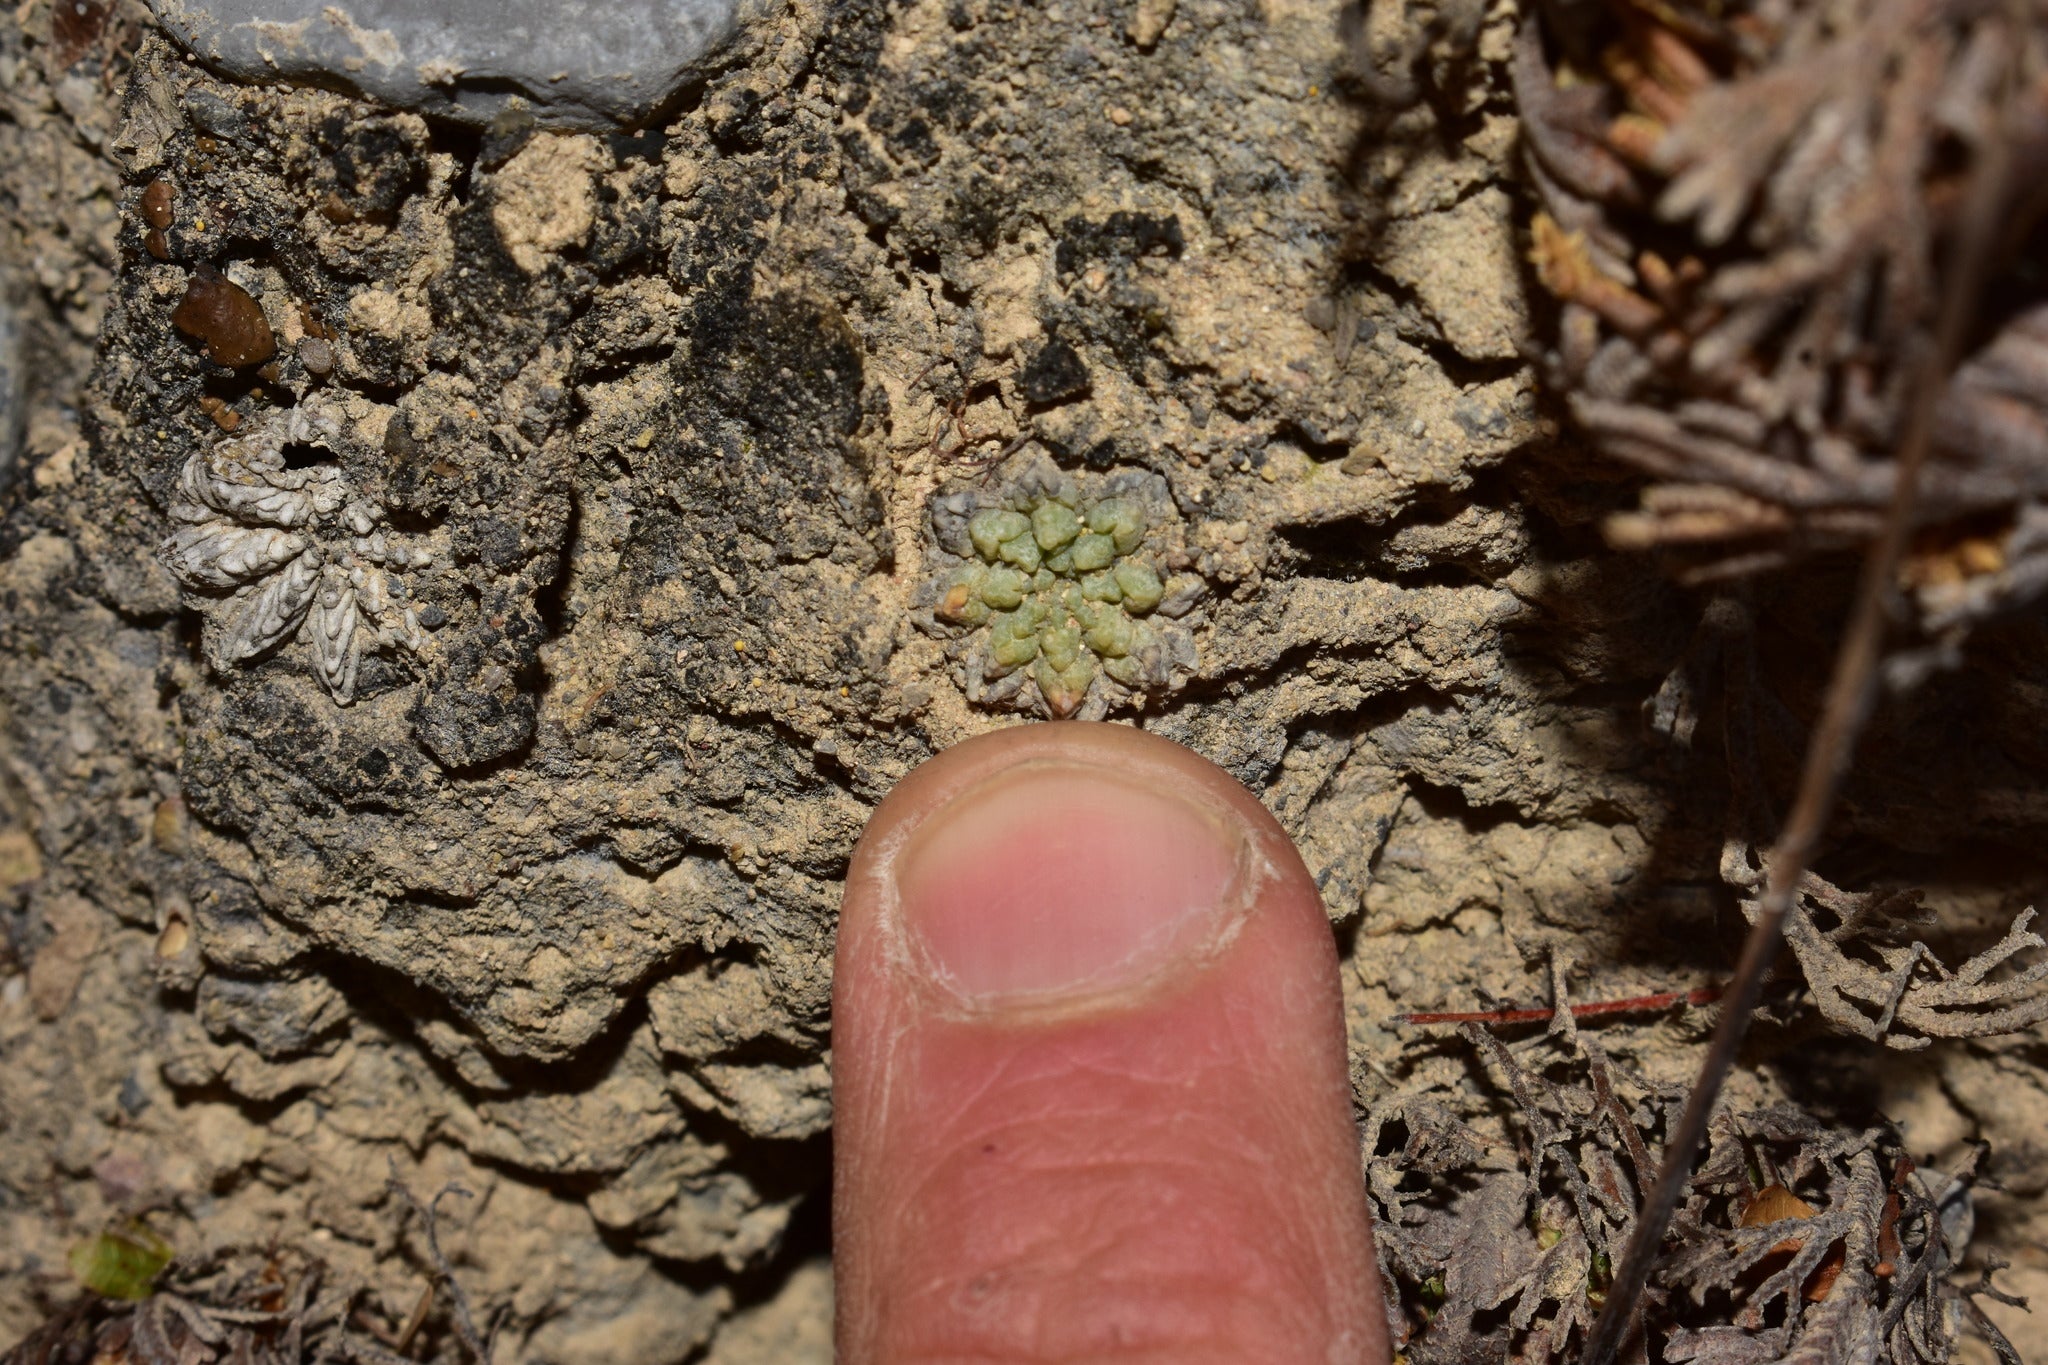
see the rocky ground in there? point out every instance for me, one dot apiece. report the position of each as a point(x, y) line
point(464, 589)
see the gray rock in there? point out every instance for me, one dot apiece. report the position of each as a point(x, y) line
point(13, 388)
point(572, 63)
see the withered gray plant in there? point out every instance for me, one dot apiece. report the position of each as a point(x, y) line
point(1794, 1241)
point(1749, 216)
point(1794, 247)
point(1869, 976)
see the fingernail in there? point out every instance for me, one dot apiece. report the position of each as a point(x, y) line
point(1053, 880)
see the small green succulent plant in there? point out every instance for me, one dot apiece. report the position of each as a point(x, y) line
point(1066, 590)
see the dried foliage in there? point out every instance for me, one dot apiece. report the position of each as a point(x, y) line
point(255, 1307)
point(1747, 213)
point(1794, 1242)
point(1868, 977)
point(267, 1306)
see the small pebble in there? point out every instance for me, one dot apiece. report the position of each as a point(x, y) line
point(168, 826)
point(317, 355)
point(224, 417)
point(156, 244)
point(1148, 22)
point(174, 939)
point(504, 136)
point(212, 114)
point(222, 316)
point(156, 205)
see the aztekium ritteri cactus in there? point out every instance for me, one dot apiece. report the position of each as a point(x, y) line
point(1063, 599)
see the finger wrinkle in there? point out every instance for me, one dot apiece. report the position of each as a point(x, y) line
point(1111, 1216)
point(1019, 1082)
point(1115, 1318)
point(1057, 1149)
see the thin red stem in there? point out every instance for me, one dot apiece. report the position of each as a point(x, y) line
point(1594, 1009)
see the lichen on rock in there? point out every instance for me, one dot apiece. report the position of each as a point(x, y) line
point(269, 554)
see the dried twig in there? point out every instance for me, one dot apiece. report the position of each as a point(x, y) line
point(428, 1214)
point(1582, 1012)
point(1983, 1289)
point(1744, 208)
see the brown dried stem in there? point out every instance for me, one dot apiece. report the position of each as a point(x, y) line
point(1742, 210)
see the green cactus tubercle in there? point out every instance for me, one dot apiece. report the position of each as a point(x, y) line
point(1061, 590)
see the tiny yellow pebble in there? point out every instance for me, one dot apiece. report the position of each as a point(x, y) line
point(740, 645)
point(199, 225)
point(842, 692)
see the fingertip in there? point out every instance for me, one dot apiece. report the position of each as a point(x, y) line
point(1085, 986)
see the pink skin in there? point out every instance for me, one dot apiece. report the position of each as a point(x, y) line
point(1091, 1098)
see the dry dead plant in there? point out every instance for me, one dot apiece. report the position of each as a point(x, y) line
point(1869, 979)
point(1771, 228)
point(260, 1306)
point(1795, 247)
point(1744, 213)
point(1793, 1241)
